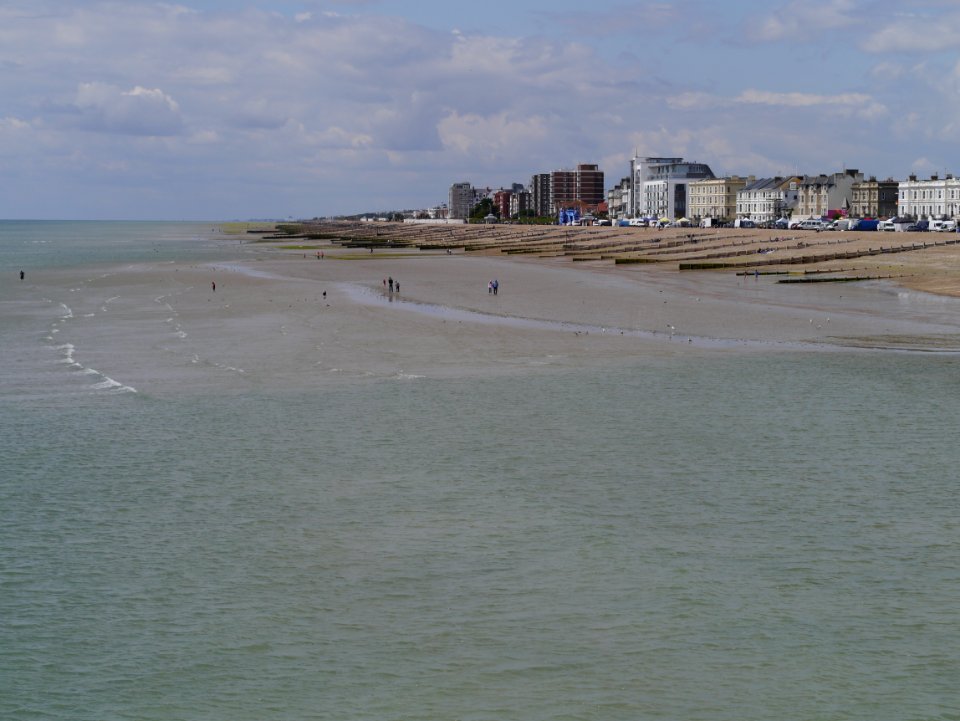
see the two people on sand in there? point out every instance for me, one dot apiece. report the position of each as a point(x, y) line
point(493, 286)
point(392, 285)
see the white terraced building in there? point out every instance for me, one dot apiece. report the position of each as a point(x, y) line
point(768, 199)
point(937, 198)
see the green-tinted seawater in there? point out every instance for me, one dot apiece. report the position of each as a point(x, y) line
point(739, 536)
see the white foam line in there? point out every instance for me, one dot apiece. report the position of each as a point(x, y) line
point(229, 368)
point(107, 383)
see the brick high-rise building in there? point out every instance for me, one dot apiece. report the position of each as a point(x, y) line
point(581, 188)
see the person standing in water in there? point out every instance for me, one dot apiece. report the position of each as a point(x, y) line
point(21, 275)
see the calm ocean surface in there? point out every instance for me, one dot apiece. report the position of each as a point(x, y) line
point(727, 537)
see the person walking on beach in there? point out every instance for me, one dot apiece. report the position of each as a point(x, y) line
point(396, 286)
point(390, 283)
point(489, 286)
point(496, 286)
point(21, 275)
point(213, 285)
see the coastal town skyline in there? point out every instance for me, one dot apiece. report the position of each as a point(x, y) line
point(212, 109)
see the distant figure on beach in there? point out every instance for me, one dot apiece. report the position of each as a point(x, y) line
point(396, 286)
point(496, 286)
point(21, 275)
point(390, 283)
point(324, 295)
point(321, 255)
point(213, 285)
point(489, 286)
point(384, 283)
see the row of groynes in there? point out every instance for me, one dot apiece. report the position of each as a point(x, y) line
point(682, 249)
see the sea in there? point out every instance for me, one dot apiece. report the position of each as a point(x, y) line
point(739, 536)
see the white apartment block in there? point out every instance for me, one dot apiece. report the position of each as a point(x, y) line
point(768, 199)
point(660, 185)
point(936, 198)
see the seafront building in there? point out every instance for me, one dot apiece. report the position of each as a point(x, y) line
point(715, 198)
point(937, 198)
point(874, 198)
point(503, 200)
point(825, 196)
point(671, 187)
point(768, 199)
point(520, 203)
point(581, 188)
point(660, 185)
point(540, 200)
point(618, 199)
point(462, 199)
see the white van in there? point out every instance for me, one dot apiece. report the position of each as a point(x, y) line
point(886, 225)
point(810, 224)
point(943, 226)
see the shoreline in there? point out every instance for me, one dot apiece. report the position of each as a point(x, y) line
point(921, 261)
point(652, 300)
point(284, 318)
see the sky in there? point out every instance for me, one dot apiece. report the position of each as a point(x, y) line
point(217, 110)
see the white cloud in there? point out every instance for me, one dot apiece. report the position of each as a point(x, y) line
point(918, 33)
point(692, 100)
point(857, 104)
point(369, 106)
point(805, 19)
point(13, 125)
point(493, 137)
point(139, 111)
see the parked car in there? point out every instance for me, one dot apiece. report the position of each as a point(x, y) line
point(921, 226)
